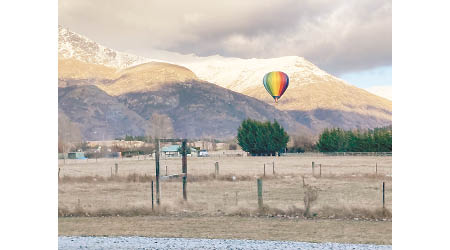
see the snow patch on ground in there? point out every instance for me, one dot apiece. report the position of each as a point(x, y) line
point(136, 242)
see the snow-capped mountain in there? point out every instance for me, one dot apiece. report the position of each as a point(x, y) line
point(75, 46)
point(314, 99)
point(310, 88)
point(240, 75)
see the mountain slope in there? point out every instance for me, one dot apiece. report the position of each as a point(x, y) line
point(200, 109)
point(211, 100)
point(147, 76)
point(75, 72)
point(197, 110)
point(98, 115)
point(309, 87)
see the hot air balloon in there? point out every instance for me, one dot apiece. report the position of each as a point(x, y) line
point(276, 83)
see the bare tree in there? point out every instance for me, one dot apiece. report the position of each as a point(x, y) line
point(69, 134)
point(311, 195)
point(160, 126)
point(303, 141)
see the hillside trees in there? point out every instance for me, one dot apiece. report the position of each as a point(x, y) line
point(262, 138)
point(372, 140)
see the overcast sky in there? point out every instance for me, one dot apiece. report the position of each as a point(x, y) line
point(346, 38)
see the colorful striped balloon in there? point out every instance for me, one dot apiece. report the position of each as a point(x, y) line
point(276, 83)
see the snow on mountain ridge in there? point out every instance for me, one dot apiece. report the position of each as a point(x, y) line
point(233, 73)
point(241, 74)
point(73, 45)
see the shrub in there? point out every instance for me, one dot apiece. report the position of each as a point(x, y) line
point(262, 138)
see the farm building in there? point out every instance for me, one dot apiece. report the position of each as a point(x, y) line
point(76, 155)
point(171, 150)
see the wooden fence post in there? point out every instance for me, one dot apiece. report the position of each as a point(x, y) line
point(157, 171)
point(111, 173)
point(264, 169)
point(260, 192)
point(152, 196)
point(216, 172)
point(313, 168)
point(166, 170)
point(273, 167)
point(320, 168)
point(184, 168)
point(383, 194)
point(376, 168)
point(117, 168)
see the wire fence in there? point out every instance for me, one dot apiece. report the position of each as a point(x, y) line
point(342, 183)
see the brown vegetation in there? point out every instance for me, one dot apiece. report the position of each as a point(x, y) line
point(346, 191)
point(231, 227)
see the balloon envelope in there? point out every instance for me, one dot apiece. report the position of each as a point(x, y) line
point(276, 83)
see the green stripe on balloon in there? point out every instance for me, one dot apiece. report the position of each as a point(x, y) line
point(276, 83)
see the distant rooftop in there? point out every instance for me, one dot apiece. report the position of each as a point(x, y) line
point(171, 148)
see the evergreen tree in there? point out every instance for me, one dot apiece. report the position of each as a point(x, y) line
point(338, 140)
point(262, 138)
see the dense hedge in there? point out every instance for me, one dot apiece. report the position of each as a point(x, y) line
point(262, 138)
point(372, 140)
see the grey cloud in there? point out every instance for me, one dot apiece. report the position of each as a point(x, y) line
point(339, 36)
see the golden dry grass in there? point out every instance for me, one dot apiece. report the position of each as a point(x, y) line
point(333, 166)
point(348, 187)
point(75, 69)
point(232, 227)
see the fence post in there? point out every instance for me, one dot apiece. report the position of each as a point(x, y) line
point(273, 167)
point(264, 169)
point(313, 168)
point(111, 173)
point(320, 169)
point(152, 196)
point(260, 198)
point(157, 171)
point(376, 168)
point(237, 198)
point(216, 171)
point(184, 168)
point(383, 194)
point(166, 170)
point(117, 168)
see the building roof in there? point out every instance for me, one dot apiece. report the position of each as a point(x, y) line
point(171, 148)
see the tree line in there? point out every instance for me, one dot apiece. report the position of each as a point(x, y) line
point(371, 140)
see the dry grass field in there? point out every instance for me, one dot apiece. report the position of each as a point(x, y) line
point(232, 227)
point(349, 190)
